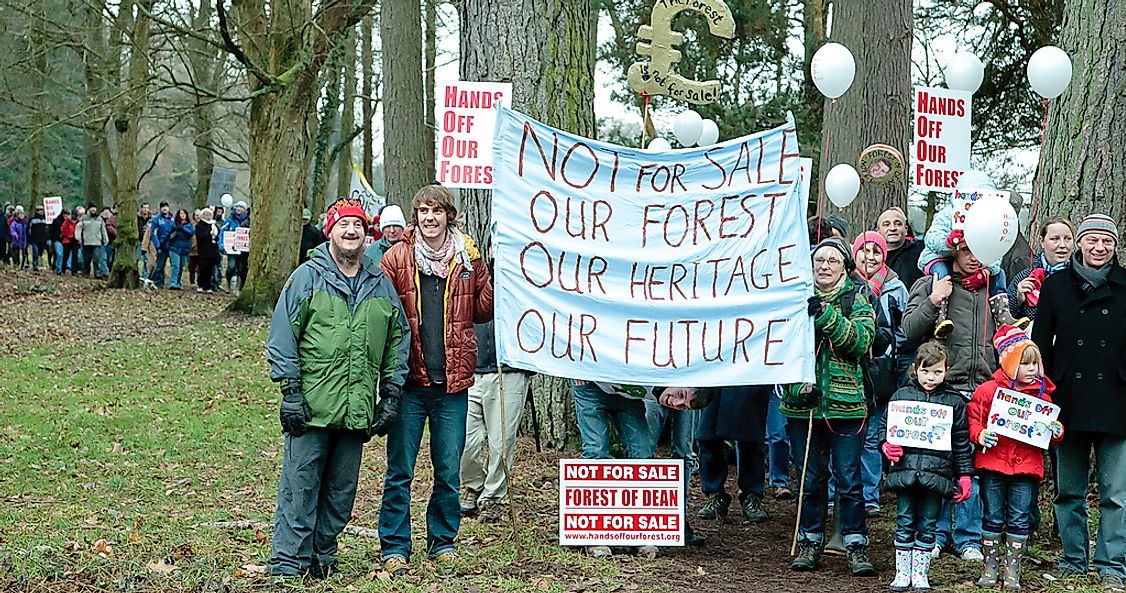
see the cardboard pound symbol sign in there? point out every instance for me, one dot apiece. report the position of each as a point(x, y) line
point(658, 41)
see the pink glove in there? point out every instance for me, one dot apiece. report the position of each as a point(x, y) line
point(965, 489)
point(893, 452)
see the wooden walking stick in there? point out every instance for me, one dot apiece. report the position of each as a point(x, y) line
point(801, 484)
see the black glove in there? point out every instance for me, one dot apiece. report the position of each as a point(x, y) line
point(386, 413)
point(814, 306)
point(295, 410)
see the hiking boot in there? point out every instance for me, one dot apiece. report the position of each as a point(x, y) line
point(1112, 583)
point(858, 563)
point(396, 566)
point(872, 511)
point(599, 551)
point(752, 509)
point(972, 554)
point(716, 507)
point(321, 570)
point(809, 556)
point(694, 538)
point(782, 493)
point(492, 512)
point(447, 563)
point(468, 502)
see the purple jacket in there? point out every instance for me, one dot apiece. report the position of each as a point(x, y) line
point(18, 232)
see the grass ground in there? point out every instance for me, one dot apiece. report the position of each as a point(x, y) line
point(130, 419)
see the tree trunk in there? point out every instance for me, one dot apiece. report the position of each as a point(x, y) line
point(877, 108)
point(408, 161)
point(813, 102)
point(347, 120)
point(367, 59)
point(1084, 166)
point(202, 60)
point(127, 127)
point(327, 125)
point(93, 131)
point(550, 63)
point(430, 51)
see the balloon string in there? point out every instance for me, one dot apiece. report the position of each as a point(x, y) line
point(1037, 183)
point(821, 171)
point(644, 117)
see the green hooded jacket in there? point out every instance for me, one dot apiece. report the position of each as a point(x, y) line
point(346, 348)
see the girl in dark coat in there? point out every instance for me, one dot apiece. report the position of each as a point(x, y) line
point(922, 477)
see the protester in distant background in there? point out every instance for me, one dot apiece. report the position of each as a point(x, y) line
point(193, 255)
point(217, 214)
point(5, 233)
point(67, 258)
point(160, 228)
point(180, 247)
point(91, 234)
point(391, 223)
point(311, 236)
point(207, 246)
point(37, 237)
point(17, 232)
point(109, 215)
point(236, 262)
point(143, 218)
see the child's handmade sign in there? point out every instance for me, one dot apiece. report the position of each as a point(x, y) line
point(920, 424)
point(1022, 417)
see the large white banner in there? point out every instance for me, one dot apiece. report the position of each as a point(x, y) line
point(687, 267)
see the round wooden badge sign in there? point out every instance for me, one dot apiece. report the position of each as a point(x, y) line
point(880, 165)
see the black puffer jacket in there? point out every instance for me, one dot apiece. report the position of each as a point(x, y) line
point(928, 468)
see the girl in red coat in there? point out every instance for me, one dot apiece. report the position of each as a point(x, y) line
point(1010, 471)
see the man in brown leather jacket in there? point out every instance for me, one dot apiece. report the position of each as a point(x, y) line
point(445, 288)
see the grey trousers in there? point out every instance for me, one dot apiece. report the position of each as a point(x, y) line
point(315, 497)
point(1072, 468)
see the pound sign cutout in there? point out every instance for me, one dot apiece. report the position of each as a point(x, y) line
point(658, 41)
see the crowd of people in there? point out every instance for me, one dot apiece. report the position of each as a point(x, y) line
point(896, 318)
point(79, 240)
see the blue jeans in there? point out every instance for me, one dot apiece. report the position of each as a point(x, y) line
point(143, 257)
point(843, 444)
point(107, 259)
point(60, 264)
point(967, 522)
point(778, 443)
point(156, 274)
point(597, 411)
point(917, 516)
point(446, 413)
point(37, 251)
point(872, 461)
point(1073, 466)
point(682, 431)
point(1006, 502)
point(179, 262)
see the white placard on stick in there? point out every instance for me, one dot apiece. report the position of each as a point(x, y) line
point(229, 244)
point(621, 502)
point(1022, 417)
point(940, 152)
point(242, 239)
point(962, 201)
point(920, 424)
point(466, 117)
point(52, 207)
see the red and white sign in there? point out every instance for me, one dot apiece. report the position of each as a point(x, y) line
point(242, 239)
point(52, 207)
point(941, 150)
point(964, 199)
point(621, 502)
point(466, 117)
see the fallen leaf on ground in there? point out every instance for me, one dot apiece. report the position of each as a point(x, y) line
point(102, 548)
point(161, 567)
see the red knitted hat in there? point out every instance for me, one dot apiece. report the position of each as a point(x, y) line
point(344, 208)
point(1011, 342)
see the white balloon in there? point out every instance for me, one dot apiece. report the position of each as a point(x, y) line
point(710, 133)
point(227, 200)
point(833, 69)
point(974, 179)
point(1049, 71)
point(842, 184)
point(659, 145)
point(687, 127)
point(991, 229)
point(964, 73)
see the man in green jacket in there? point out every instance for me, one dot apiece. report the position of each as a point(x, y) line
point(338, 346)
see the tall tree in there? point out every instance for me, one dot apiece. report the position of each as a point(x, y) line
point(94, 133)
point(283, 46)
point(203, 57)
point(877, 108)
point(408, 160)
point(1084, 165)
point(367, 62)
point(131, 51)
point(550, 62)
point(347, 119)
point(430, 55)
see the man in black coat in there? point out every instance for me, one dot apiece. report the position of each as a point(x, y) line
point(903, 252)
point(1081, 331)
point(311, 236)
point(734, 414)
